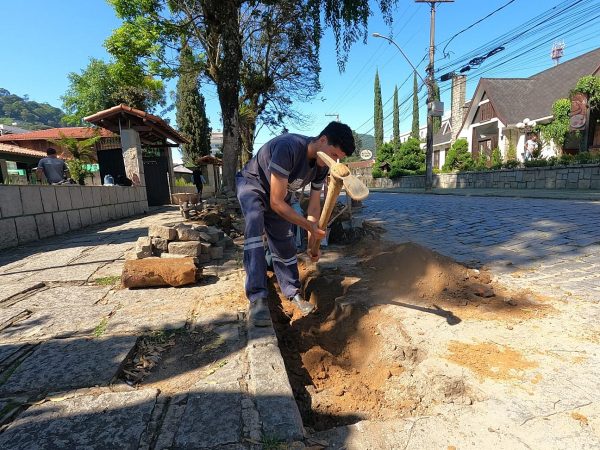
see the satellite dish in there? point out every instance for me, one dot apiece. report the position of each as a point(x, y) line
point(366, 154)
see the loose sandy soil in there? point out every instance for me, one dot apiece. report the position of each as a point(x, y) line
point(403, 332)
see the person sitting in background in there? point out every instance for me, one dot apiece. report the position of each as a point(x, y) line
point(122, 180)
point(52, 167)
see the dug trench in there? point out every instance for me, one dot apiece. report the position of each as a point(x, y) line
point(357, 356)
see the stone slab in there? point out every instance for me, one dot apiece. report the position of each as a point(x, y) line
point(8, 233)
point(163, 232)
point(272, 393)
point(110, 420)
point(63, 296)
point(76, 197)
point(11, 289)
point(185, 248)
point(31, 200)
point(212, 418)
point(143, 310)
point(86, 217)
point(69, 364)
point(56, 322)
point(45, 225)
point(61, 222)
point(26, 228)
point(64, 198)
point(10, 201)
point(88, 196)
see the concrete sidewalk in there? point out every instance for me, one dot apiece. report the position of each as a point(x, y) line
point(557, 194)
point(68, 334)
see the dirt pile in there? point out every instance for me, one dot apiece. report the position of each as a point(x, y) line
point(349, 360)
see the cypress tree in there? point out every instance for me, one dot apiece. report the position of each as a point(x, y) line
point(415, 120)
point(437, 121)
point(378, 113)
point(396, 117)
point(191, 113)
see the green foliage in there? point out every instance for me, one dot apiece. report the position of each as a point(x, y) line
point(377, 172)
point(496, 158)
point(589, 85)
point(378, 113)
point(409, 159)
point(458, 157)
point(358, 142)
point(511, 152)
point(415, 112)
point(511, 164)
point(385, 153)
point(26, 113)
point(557, 130)
point(107, 281)
point(396, 127)
point(182, 182)
point(100, 329)
point(191, 112)
point(481, 162)
point(103, 85)
point(79, 154)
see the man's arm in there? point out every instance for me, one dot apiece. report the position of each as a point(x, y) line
point(279, 205)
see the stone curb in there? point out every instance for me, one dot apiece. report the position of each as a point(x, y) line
point(270, 388)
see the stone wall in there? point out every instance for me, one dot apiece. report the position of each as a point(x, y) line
point(583, 177)
point(29, 213)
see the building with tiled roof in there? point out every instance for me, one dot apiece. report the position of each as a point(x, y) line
point(499, 104)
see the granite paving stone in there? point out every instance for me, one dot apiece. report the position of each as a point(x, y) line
point(69, 364)
point(111, 420)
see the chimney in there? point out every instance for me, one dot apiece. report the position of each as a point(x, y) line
point(459, 95)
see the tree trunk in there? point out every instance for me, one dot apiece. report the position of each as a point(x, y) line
point(224, 21)
point(247, 131)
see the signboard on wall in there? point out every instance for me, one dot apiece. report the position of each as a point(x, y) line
point(579, 112)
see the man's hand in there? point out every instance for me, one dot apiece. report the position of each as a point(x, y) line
point(316, 234)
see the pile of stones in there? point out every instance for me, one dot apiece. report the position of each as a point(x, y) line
point(202, 242)
point(224, 212)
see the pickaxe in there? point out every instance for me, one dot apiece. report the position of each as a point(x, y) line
point(340, 177)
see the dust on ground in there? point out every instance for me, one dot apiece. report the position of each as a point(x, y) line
point(490, 361)
point(350, 360)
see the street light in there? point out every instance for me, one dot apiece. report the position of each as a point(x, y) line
point(390, 40)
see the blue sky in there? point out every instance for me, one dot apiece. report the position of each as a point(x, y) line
point(47, 39)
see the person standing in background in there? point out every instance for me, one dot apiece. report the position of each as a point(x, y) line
point(52, 167)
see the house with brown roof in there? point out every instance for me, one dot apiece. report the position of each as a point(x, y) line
point(500, 104)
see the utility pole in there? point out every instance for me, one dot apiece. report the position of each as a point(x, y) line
point(430, 82)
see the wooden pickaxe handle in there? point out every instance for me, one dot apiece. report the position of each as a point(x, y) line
point(335, 187)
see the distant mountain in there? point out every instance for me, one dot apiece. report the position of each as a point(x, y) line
point(368, 141)
point(27, 113)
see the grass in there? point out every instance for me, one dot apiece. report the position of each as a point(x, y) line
point(271, 443)
point(101, 327)
point(107, 281)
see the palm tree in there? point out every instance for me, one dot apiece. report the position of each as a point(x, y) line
point(78, 154)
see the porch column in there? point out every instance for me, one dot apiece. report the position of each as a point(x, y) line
point(3, 170)
point(132, 157)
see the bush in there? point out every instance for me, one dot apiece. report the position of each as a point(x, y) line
point(376, 172)
point(496, 159)
point(482, 162)
point(511, 164)
point(566, 160)
point(409, 159)
point(539, 162)
point(182, 182)
point(458, 157)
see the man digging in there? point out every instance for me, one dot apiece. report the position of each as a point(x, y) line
point(265, 185)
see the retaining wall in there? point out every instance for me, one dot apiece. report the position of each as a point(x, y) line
point(29, 213)
point(583, 177)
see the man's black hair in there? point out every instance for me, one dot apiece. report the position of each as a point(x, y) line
point(50, 151)
point(339, 135)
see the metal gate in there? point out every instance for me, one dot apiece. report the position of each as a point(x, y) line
point(156, 172)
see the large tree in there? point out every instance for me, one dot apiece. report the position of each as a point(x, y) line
point(154, 27)
point(396, 130)
point(415, 112)
point(102, 85)
point(280, 65)
point(378, 113)
point(191, 113)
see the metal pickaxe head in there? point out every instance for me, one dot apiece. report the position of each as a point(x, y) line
point(355, 188)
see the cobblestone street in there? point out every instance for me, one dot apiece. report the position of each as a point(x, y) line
point(549, 246)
